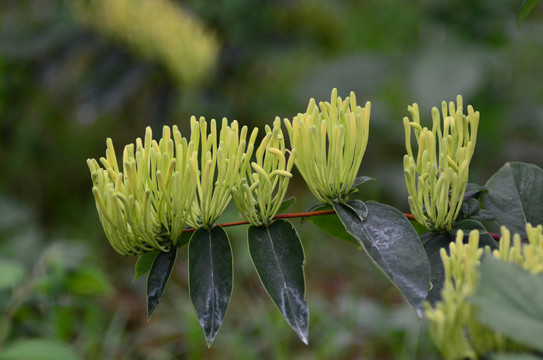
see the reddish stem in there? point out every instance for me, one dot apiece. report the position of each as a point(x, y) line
point(312, 213)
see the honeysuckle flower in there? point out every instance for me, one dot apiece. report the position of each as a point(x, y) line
point(220, 161)
point(452, 322)
point(262, 184)
point(330, 140)
point(145, 206)
point(436, 178)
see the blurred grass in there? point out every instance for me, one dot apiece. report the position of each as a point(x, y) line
point(64, 88)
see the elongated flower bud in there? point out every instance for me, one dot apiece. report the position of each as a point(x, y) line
point(330, 140)
point(261, 185)
point(437, 174)
point(145, 206)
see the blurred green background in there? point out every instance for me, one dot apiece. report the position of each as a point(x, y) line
point(75, 72)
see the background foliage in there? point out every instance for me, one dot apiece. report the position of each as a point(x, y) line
point(64, 88)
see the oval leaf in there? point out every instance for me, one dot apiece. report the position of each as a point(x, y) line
point(144, 263)
point(359, 208)
point(38, 349)
point(210, 278)
point(158, 278)
point(391, 241)
point(330, 224)
point(286, 204)
point(279, 260)
point(515, 195)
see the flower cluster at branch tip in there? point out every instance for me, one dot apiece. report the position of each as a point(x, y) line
point(436, 178)
point(220, 160)
point(145, 206)
point(261, 185)
point(452, 322)
point(330, 140)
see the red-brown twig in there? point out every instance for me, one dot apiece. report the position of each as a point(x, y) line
point(311, 213)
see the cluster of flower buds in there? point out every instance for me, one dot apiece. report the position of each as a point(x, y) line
point(145, 206)
point(262, 184)
point(220, 160)
point(436, 177)
point(330, 140)
point(452, 324)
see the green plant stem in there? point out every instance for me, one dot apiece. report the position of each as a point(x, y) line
point(307, 214)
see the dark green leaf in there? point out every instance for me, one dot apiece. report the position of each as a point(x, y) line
point(184, 239)
point(278, 258)
point(468, 225)
point(525, 10)
point(515, 196)
point(331, 224)
point(38, 349)
point(286, 204)
point(470, 207)
point(473, 190)
point(359, 208)
point(145, 262)
point(210, 277)
point(433, 243)
point(361, 179)
point(509, 301)
point(391, 241)
point(483, 215)
point(158, 278)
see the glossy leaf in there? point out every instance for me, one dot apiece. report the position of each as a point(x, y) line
point(470, 207)
point(210, 278)
point(515, 196)
point(525, 10)
point(361, 179)
point(38, 349)
point(286, 204)
point(279, 260)
point(391, 241)
point(145, 262)
point(158, 278)
point(508, 300)
point(359, 208)
point(473, 190)
point(468, 225)
point(483, 215)
point(331, 224)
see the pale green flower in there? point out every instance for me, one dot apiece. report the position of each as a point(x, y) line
point(451, 321)
point(330, 141)
point(436, 178)
point(145, 206)
point(262, 184)
point(221, 155)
